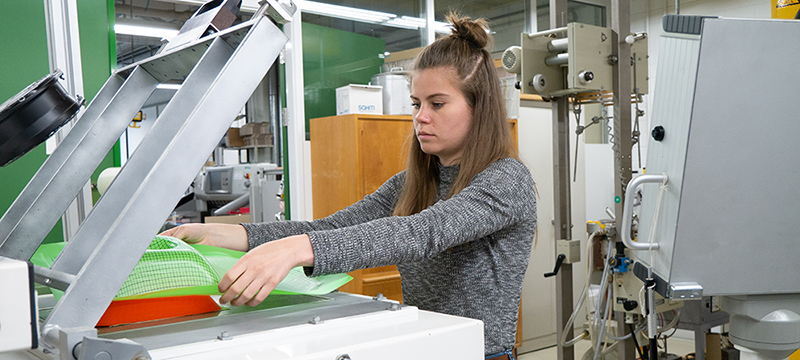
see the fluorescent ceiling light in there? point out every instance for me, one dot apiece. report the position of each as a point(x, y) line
point(414, 23)
point(147, 31)
point(345, 12)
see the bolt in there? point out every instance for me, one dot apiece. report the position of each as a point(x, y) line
point(379, 297)
point(223, 336)
point(394, 307)
point(315, 320)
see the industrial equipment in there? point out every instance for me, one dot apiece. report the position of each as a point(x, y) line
point(722, 220)
point(720, 224)
point(219, 189)
point(219, 69)
point(587, 54)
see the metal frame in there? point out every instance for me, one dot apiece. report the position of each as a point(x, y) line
point(562, 212)
point(299, 199)
point(221, 71)
point(64, 52)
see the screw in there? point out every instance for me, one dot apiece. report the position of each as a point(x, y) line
point(394, 307)
point(315, 320)
point(223, 336)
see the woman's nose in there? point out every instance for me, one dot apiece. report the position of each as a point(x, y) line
point(422, 115)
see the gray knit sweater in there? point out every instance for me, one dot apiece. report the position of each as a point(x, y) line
point(464, 256)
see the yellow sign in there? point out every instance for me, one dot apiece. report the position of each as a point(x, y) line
point(785, 9)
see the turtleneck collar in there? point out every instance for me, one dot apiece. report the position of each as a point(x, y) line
point(448, 174)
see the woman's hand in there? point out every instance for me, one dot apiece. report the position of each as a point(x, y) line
point(227, 236)
point(260, 270)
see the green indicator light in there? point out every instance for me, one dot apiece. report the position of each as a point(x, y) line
point(616, 199)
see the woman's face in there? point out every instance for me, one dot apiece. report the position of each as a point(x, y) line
point(442, 117)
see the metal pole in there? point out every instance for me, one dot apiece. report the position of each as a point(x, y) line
point(531, 17)
point(63, 45)
point(430, 32)
point(296, 119)
point(561, 190)
point(621, 26)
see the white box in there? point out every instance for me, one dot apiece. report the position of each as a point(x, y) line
point(359, 99)
point(18, 311)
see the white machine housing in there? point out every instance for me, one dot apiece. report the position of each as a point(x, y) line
point(726, 222)
point(18, 311)
point(728, 218)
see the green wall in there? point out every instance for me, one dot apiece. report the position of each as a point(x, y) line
point(24, 60)
point(334, 58)
point(331, 59)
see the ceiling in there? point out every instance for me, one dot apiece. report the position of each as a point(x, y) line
point(504, 15)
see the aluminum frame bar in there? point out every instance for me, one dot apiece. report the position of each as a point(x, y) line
point(151, 201)
point(172, 119)
point(299, 199)
point(621, 26)
point(48, 194)
point(562, 199)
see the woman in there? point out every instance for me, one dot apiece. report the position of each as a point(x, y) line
point(459, 222)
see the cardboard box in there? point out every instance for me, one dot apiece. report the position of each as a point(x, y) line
point(261, 140)
point(257, 128)
point(359, 99)
point(234, 139)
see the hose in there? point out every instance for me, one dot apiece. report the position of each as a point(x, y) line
point(582, 297)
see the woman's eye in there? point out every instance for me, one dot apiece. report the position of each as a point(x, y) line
point(438, 105)
point(415, 105)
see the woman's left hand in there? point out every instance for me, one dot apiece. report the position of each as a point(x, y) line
point(259, 271)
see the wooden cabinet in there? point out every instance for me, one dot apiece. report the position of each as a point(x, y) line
point(351, 157)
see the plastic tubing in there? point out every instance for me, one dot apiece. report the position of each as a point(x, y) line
point(582, 297)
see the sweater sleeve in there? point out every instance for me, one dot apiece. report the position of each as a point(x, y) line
point(376, 205)
point(499, 197)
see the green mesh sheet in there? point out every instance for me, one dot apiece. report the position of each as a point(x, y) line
point(170, 267)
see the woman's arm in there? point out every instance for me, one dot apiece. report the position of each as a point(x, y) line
point(498, 197)
point(244, 237)
point(373, 206)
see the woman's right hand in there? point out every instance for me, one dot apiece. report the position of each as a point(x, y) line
point(227, 236)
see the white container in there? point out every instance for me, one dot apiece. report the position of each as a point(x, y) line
point(510, 95)
point(396, 92)
point(359, 99)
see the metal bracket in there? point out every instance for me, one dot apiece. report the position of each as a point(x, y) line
point(685, 291)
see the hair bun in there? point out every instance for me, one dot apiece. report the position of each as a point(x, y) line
point(472, 31)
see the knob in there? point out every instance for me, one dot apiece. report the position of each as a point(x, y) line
point(658, 133)
point(585, 77)
point(518, 85)
point(629, 305)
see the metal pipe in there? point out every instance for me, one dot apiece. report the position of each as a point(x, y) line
point(558, 45)
point(52, 278)
point(559, 59)
point(677, 7)
point(627, 213)
point(233, 205)
point(548, 32)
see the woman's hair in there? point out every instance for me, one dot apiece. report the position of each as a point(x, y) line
point(489, 138)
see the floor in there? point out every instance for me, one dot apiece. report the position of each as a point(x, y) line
point(676, 346)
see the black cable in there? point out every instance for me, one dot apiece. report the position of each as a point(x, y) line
point(636, 342)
